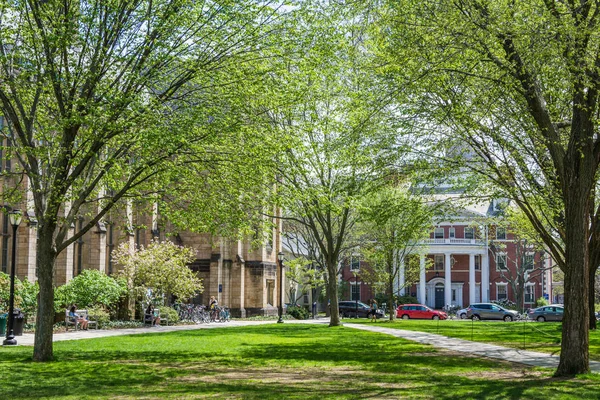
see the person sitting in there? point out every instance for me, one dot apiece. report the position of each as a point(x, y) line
point(151, 316)
point(78, 319)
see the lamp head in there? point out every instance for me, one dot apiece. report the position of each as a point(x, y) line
point(15, 217)
point(280, 256)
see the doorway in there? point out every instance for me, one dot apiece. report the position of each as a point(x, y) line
point(439, 296)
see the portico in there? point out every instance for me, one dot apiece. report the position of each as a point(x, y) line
point(451, 277)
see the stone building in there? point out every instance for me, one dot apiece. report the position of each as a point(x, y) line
point(238, 275)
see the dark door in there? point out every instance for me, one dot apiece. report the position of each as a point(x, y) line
point(439, 297)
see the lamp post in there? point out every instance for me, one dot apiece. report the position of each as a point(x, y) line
point(15, 220)
point(280, 259)
point(356, 298)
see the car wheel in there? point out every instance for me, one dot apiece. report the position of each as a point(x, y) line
point(508, 318)
point(541, 319)
point(435, 317)
point(405, 316)
point(463, 316)
point(476, 318)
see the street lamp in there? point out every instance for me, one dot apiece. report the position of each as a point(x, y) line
point(356, 298)
point(280, 259)
point(15, 220)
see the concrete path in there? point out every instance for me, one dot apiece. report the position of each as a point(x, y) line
point(476, 348)
point(27, 338)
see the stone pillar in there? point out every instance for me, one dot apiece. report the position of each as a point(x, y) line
point(472, 284)
point(447, 279)
point(485, 278)
point(401, 277)
point(238, 271)
point(422, 296)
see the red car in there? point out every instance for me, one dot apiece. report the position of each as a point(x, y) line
point(418, 311)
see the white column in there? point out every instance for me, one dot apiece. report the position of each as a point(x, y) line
point(422, 279)
point(485, 278)
point(447, 279)
point(472, 286)
point(401, 277)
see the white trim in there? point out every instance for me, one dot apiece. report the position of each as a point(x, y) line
point(504, 285)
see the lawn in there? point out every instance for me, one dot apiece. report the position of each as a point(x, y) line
point(272, 361)
point(536, 336)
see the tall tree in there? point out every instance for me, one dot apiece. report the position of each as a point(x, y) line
point(515, 86)
point(101, 97)
point(394, 223)
point(338, 146)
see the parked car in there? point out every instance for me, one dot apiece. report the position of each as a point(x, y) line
point(352, 308)
point(418, 311)
point(552, 312)
point(480, 311)
point(462, 313)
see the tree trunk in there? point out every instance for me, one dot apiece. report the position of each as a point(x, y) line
point(574, 355)
point(390, 291)
point(333, 294)
point(592, 297)
point(46, 255)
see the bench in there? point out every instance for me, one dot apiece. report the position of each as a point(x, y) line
point(164, 318)
point(75, 324)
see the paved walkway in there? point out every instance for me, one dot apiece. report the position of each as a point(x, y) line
point(476, 348)
point(458, 345)
point(27, 338)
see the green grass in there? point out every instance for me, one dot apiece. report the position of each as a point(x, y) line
point(272, 361)
point(536, 336)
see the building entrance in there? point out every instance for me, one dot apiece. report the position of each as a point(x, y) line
point(439, 296)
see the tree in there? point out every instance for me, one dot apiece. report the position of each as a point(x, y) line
point(101, 98)
point(394, 223)
point(337, 144)
point(303, 276)
point(161, 268)
point(513, 87)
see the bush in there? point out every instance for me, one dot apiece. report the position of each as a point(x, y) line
point(172, 314)
point(100, 315)
point(298, 312)
point(541, 302)
point(123, 324)
point(407, 300)
point(25, 294)
point(88, 289)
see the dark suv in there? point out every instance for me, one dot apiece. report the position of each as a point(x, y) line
point(352, 308)
point(490, 311)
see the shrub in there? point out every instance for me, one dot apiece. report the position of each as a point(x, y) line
point(172, 314)
point(407, 300)
point(541, 302)
point(100, 315)
point(298, 312)
point(89, 288)
point(25, 294)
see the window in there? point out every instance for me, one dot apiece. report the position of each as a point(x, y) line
point(452, 233)
point(500, 233)
point(529, 294)
point(270, 287)
point(354, 263)
point(78, 266)
point(110, 247)
point(355, 292)
point(453, 294)
point(469, 233)
point(438, 233)
point(501, 262)
point(501, 291)
point(478, 262)
point(438, 262)
point(528, 261)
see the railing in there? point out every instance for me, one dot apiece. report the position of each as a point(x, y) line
point(456, 241)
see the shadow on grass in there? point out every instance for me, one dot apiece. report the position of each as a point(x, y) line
point(271, 362)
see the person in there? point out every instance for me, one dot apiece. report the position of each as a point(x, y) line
point(151, 317)
point(78, 318)
point(213, 308)
point(373, 310)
